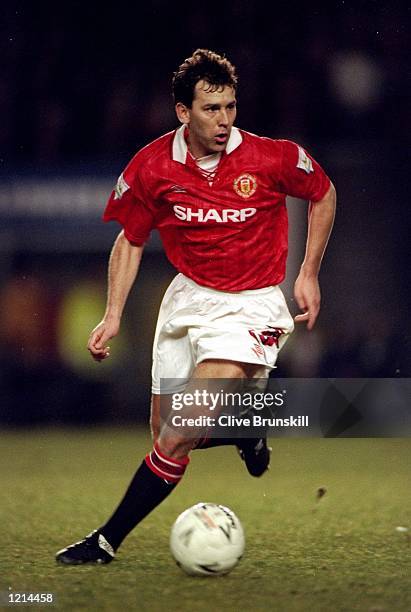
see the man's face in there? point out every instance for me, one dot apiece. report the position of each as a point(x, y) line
point(209, 119)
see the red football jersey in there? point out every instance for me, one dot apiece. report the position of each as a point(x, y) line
point(229, 234)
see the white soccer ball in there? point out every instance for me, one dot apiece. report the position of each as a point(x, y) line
point(207, 540)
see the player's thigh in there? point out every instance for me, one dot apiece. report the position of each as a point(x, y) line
point(226, 369)
point(177, 442)
point(212, 376)
point(208, 369)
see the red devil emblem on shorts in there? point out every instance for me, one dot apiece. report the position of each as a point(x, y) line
point(268, 337)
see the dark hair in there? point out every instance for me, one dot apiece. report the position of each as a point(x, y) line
point(205, 65)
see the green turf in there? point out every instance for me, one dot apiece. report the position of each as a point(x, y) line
point(339, 553)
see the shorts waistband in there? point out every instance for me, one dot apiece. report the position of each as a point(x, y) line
point(259, 291)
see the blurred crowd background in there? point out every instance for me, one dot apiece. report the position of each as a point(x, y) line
point(83, 86)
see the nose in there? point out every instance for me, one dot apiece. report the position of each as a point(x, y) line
point(223, 117)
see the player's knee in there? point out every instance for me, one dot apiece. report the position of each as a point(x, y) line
point(174, 446)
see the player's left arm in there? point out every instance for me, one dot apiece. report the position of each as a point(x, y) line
point(307, 289)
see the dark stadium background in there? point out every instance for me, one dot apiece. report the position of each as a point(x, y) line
point(83, 86)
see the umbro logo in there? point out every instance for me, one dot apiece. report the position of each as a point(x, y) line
point(177, 189)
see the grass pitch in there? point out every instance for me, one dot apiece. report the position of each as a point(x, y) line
point(339, 552)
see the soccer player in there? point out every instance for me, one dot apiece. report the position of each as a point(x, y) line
point(217, 196)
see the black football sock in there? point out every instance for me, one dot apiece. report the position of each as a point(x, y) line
point(154, 480)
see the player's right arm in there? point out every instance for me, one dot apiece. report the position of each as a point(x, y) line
point(131, 205)
point(123, 266)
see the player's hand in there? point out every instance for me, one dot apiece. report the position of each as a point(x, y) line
point(100, 335)
point(308, 297)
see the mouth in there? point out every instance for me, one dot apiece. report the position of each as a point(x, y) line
point(222, 138)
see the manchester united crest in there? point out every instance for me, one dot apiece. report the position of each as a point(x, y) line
point(245, 185)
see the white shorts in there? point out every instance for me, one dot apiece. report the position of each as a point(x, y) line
point(197, 323)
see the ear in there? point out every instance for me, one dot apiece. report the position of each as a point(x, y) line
point(183, 113)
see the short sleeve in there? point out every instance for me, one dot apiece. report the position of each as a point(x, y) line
point(300, 175)
point(130, 205)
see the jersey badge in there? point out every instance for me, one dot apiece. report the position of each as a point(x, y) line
point(120, 188)
point(304, 162)
point(245, 185)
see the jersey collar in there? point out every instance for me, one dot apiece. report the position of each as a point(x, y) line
point(180, 148)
